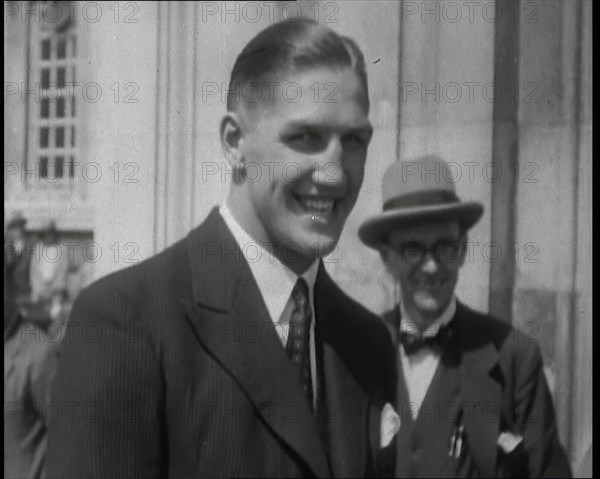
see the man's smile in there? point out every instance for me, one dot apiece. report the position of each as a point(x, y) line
point(320, 208)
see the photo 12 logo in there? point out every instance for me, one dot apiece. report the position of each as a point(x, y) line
point(90, 92)
point(88, 172)
point(57, 15)
point(271, 12)
point(436, 11)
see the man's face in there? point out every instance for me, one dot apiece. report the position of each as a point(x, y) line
point(305, 161)
point(425, 259)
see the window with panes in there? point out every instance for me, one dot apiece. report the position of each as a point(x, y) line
point(52, 89)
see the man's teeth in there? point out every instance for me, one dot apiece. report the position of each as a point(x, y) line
point(317, 206)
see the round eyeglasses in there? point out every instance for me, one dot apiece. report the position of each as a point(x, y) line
point(443, 251)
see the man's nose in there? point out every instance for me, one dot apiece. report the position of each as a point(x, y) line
point(329, 170)
point(430, 264)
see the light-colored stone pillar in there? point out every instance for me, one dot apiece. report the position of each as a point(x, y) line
point(446, 102)
point(118, 132)
point(176, 118)
point(552, 299)
point(581, 388)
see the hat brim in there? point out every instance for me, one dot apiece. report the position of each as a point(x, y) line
point(374, 230)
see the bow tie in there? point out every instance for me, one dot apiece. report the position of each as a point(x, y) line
point(414, 342)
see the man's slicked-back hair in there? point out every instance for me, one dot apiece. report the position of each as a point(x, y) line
point(293, 46)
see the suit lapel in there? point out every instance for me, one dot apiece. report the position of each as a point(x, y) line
point(231, 320)
point(407, 422)
point(480, 393)
point(347, 402)
point(403, 403)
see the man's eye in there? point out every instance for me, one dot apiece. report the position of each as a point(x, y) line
point(305, 141)
point(303, 137)
point(356, 139)
point(411, 250)
point(447, 249)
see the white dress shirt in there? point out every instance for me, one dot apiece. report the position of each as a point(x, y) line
point(276, 282)
point(419, 368)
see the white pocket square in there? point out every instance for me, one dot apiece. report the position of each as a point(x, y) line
point(390, 425)
point(508, 441)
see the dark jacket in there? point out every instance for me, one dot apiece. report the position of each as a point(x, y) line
point(501, 387)
point(175, 370)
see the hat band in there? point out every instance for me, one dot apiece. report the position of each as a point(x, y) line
point(421, 198)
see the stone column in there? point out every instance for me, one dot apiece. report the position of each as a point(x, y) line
point(119, 124)
point(445, 106)
point(552, 295)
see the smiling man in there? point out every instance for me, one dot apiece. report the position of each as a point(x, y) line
point(307, 160)
point(472, 395)
point(232, 353)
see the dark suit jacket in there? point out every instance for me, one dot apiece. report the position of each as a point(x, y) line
point(174, 369)
point(503, 389)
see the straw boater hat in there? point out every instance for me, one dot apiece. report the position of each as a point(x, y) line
point(415, 192)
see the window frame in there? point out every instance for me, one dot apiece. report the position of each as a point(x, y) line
point(43, 90)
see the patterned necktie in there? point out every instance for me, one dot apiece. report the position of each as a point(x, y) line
point(297, 345)
point(414, 342)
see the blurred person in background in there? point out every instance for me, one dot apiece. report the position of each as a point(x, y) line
point(32, 346)
point(17, 262)
point(48, 271)
point(31, 352)
point(79, 277)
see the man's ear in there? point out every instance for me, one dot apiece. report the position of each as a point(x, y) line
point(232, 137)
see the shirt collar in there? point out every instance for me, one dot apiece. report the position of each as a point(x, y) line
point(275, 280)
point(408, 325)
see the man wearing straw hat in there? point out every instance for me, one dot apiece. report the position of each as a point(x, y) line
point(472, 397)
